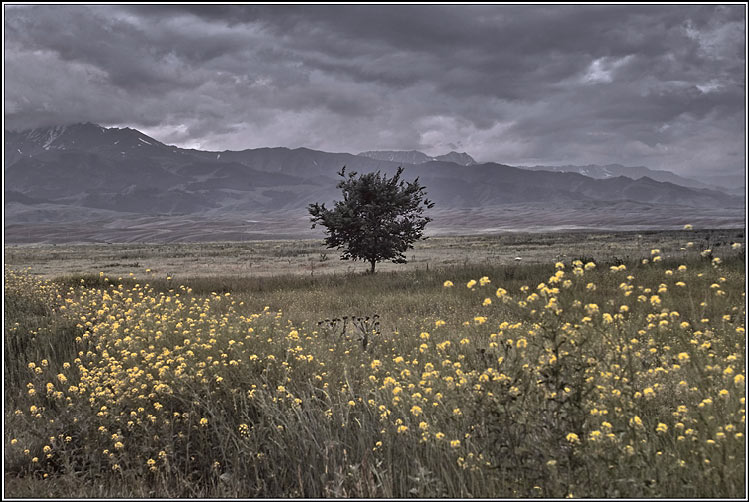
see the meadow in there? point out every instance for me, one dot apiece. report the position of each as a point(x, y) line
point(599, 365)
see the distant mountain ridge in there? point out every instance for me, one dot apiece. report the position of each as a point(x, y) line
point(635, 172)
point(417, 157)
point(730, 184)
point(85, 172)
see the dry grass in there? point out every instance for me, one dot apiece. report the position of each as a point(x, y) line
point(310, 257)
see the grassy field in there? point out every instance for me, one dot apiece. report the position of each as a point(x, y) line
point(310, 257)
point(599, 365)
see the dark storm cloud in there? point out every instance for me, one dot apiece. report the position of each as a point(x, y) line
point(634, 84)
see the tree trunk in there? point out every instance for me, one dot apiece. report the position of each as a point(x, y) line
point(372, 270)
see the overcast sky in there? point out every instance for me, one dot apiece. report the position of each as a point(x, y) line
point(660, 86)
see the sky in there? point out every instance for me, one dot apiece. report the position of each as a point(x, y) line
point(660, 86)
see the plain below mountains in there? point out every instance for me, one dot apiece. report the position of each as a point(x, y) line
point(109, 179)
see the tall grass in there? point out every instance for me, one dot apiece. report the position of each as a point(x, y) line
point(607, 379)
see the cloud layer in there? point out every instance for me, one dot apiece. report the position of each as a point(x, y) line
point(661, 86)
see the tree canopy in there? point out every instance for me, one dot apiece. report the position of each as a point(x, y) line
point(378, 219)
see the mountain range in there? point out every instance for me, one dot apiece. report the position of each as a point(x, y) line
point(725, 184)
point(416, 157)
point(111, 180)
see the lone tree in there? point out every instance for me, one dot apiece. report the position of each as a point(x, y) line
point(378, 219)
